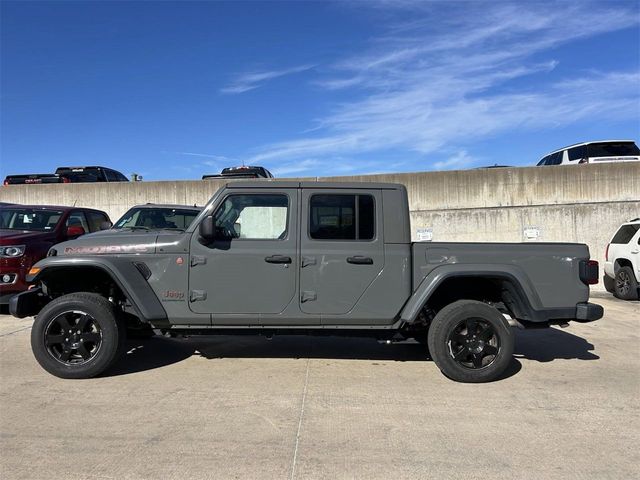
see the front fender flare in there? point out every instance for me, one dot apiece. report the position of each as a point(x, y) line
point(122, 271)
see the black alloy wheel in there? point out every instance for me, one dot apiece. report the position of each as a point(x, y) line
point(473, 343)
point(73, 337)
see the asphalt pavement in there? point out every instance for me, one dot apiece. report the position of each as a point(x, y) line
point(328, 408)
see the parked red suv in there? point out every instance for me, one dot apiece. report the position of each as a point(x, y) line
point(27, 233)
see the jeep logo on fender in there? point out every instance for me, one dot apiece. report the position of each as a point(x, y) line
point(172, 295)
point(101, 249)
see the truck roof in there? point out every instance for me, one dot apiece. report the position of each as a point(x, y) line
point(315, 185)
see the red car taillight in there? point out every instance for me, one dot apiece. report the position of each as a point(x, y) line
point(6, 182)
point(65, 180)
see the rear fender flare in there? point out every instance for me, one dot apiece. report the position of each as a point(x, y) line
point(527, 296)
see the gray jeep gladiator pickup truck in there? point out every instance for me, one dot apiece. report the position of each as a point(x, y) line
point(271, 257)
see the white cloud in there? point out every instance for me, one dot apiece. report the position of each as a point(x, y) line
point(249, 81)
point(295, 168)
point(441, 80)
point(460, 160)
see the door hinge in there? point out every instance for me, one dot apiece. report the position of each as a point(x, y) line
point(197, 295)
point(198, 260)
point(308, 261)
point(308, 296)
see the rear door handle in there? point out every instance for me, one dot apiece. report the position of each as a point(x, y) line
point(359, 260)
point(278, 259)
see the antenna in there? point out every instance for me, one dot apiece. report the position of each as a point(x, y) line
point(75, 201)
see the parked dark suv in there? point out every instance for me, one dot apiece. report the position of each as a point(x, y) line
point(27, 233)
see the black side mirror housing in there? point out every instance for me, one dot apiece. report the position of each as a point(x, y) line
point(207, 228)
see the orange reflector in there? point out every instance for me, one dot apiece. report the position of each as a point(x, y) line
point(34, 270)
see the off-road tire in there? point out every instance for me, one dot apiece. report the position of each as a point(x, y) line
point(108, 334)
point(445, 335)
point(626, 286)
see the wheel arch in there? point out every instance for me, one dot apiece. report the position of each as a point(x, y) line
point(621, 262)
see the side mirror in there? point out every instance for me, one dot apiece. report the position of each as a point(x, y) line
point(106, 225)
point(207, 228)
point(75, 231)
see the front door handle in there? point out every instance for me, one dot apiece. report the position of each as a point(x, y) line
point(278, 259)
point(359, 260)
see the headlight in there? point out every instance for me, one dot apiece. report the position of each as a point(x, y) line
point(12, 251)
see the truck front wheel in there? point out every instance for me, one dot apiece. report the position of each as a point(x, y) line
point(77, 336)
point(471, 342)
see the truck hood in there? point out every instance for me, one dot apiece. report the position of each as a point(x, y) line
point(19, 237)
point(102, 243)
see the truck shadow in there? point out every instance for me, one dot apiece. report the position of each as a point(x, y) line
point(550, 344)
point(538, 345)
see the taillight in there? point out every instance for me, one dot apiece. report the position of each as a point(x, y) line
point(65, 180)
point(6, 182)
point(589, 271)
point(606, 253)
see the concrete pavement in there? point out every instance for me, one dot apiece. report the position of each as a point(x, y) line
point(320, 408)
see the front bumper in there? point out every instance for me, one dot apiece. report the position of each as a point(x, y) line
point(27, 304)
point(588, 312)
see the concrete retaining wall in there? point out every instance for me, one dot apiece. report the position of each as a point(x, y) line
point(565, 204)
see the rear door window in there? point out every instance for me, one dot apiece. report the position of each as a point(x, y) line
point(342, 217)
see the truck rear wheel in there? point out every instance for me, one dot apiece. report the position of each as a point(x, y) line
point(471, 342)
point(77, 336)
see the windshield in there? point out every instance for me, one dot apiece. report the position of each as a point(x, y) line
point(157, 218)
point(613, 149)
point(29, 219)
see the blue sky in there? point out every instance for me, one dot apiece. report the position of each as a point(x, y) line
point(176, 90)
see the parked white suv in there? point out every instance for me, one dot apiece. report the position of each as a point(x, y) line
point(622, 262)
point(607, 151)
